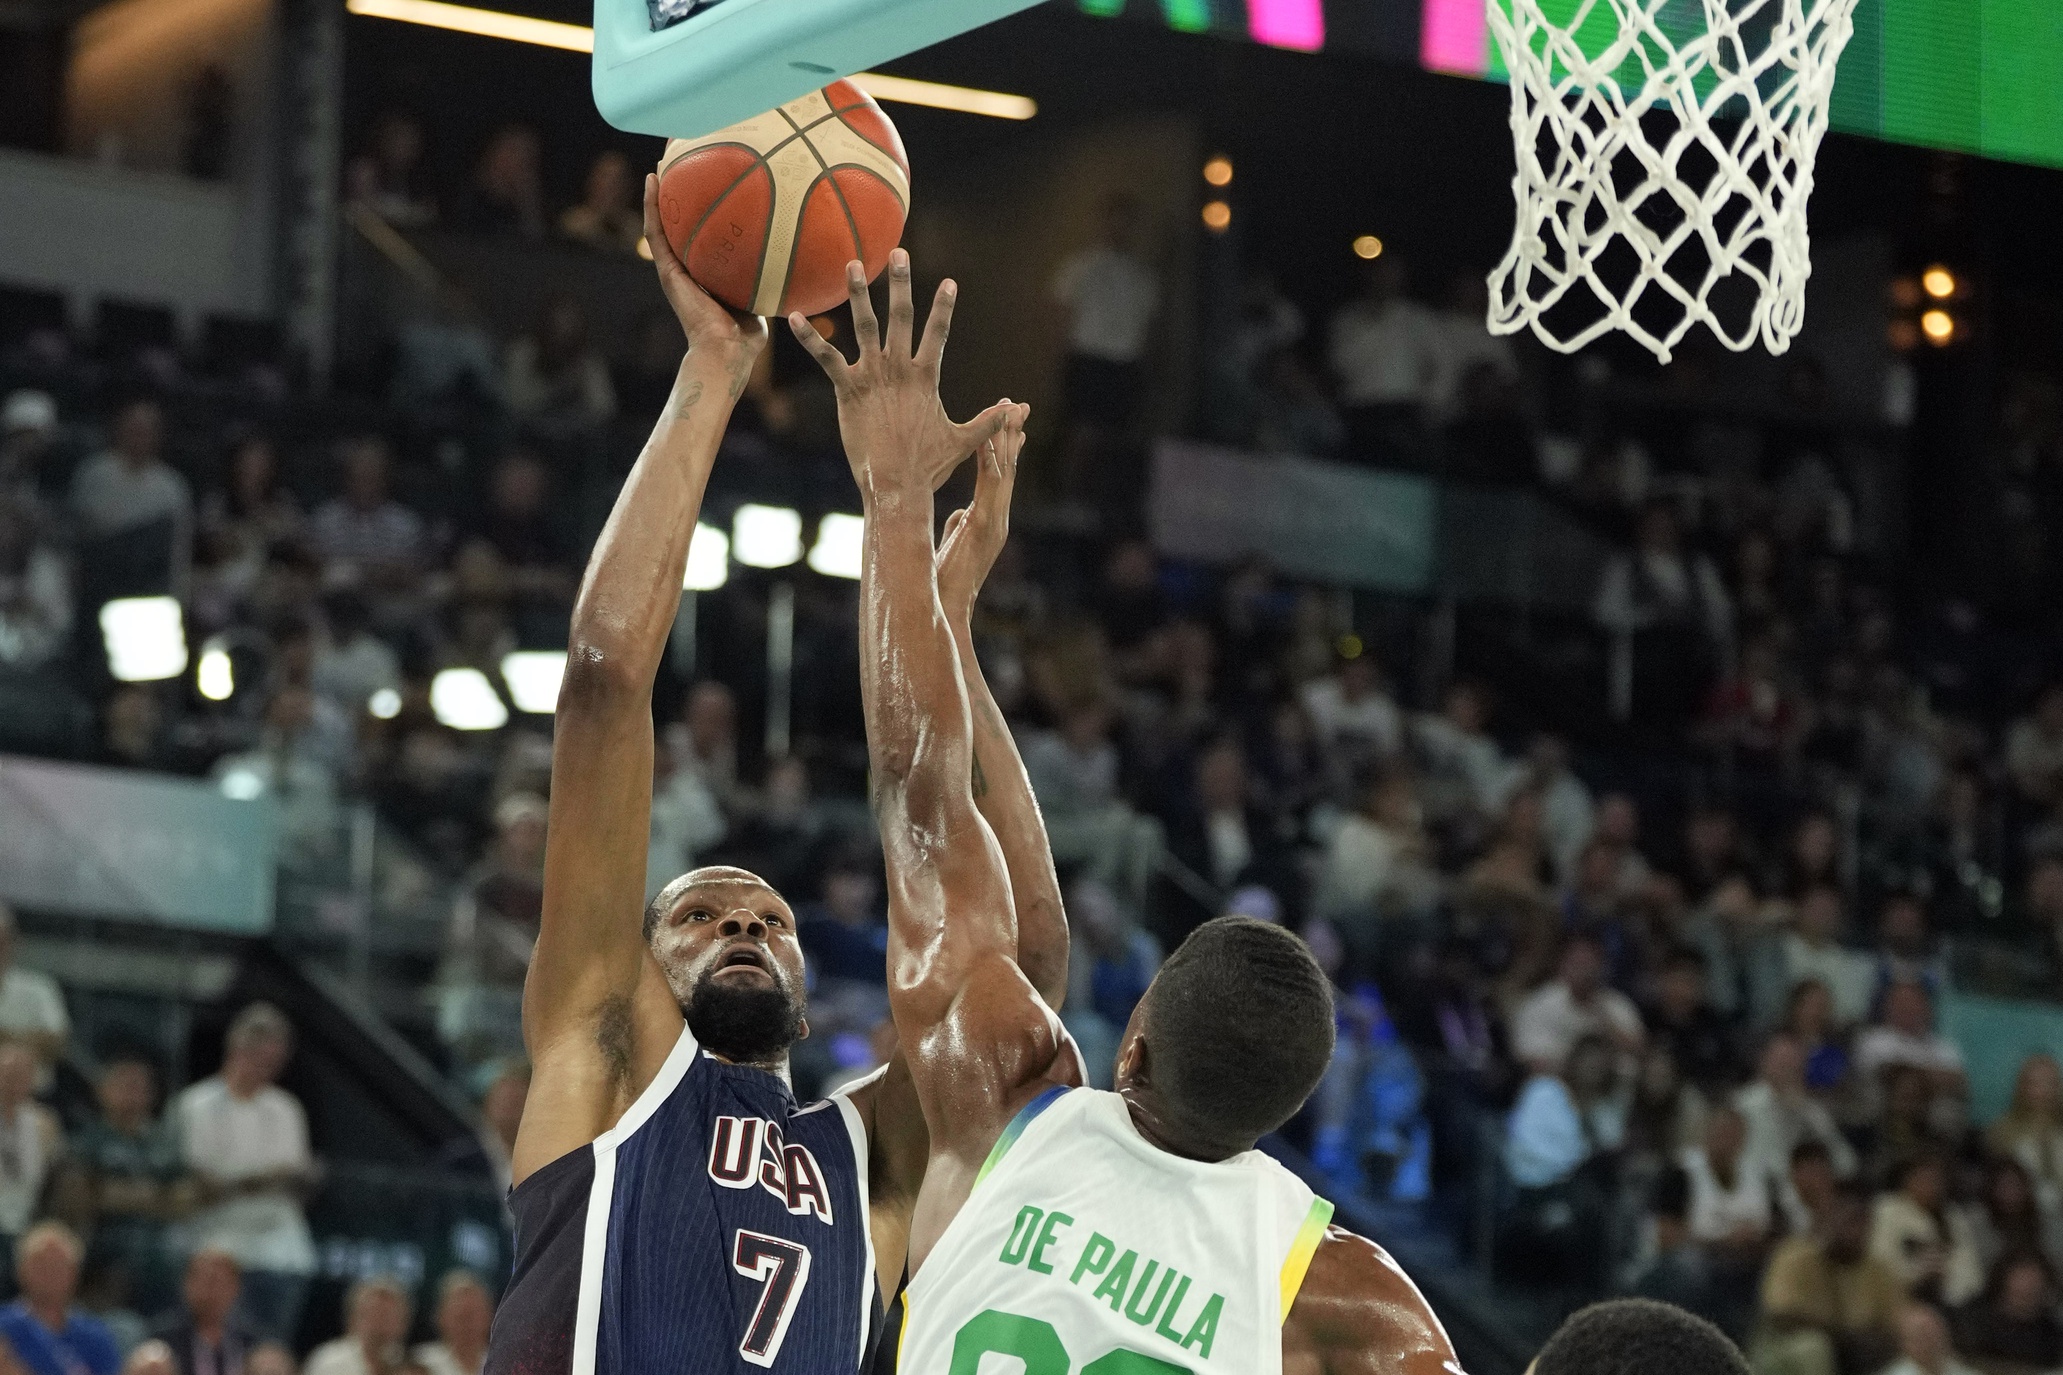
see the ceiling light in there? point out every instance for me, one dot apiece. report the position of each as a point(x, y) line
point(1218, 171)
point(1938, 282)
point(1938, 325)
point(463, 699)
point(709, 559)
point(145, 639)
point(1217, 216)
point(533, 677)
point(1368, 246)
point(216, 677)
point(766, 536)
point(840, 536)
point(384, 704)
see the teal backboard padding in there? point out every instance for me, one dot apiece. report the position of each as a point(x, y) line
point(742, 57)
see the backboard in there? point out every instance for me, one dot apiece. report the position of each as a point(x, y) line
point(680, 69)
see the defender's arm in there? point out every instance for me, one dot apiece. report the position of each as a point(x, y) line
point(595, 1010)
point(973, 539)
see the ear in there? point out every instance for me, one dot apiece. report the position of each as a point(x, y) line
point(803, 1035)
point(1131, 1061)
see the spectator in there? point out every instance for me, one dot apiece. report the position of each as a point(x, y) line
point(1378, 863)
point(1466, 773)
point(1220, 834)
point(1730, 1206)
point(128, 493)
point(845, 931)
point(2009, 1218)
point(1904, 952)
point(271, 1359)
point(1114, 962)
point(241, 524)
point(1754, 716)
point(2034, 750)
point(205, 1336)
point(365, 538)
point(1781, 1114)
point(49, 1335)
point(151, 1357)
point(1920, 1238)
point(557, 381)
point(1568, 815)
point(1562, 1123)
point(1681, 1271)
point(1573, 1005)
point(1923, 1345)
point(1813, 950)
point(1713, 851)
point(1111, 294)
point(31, 1142)
point(1671, 618)
point(2031, 1129)
point(465, 1312)
point(506, 197)
point(1464, 348)
point(28, 439)
point(246, 1140)
point(490, 1148)
point(1906, 1036)
point(383, 179)
point(1828, 1306)
point(32, 1010)
point(376, 1318)
point(1351, 710)
point(609, 218)
point(1385, 350)
point(705, 741)
point(352, 663)
point(35, 592)
point(1743, 955)
point(1809, 1016)
point(121, 1181)
point(1679, 1019)
point(1809, 1187)
point(2013, 1323)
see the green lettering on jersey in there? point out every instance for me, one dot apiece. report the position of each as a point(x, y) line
point(1166, 1325)
point(1095, 1257)
point(1132, 1311)
point(1021, 1233)
point(1038, 1261)
point(1205, 1328)
point(1117, 1281)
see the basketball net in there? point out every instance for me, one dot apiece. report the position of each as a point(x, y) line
point(1665, 152)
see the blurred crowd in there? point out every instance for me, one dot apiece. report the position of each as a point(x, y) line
point(1656, 997)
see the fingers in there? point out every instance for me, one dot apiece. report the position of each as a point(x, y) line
point(938, 324)
point(655, 227)
point(828, 358)
point(864, 325)
point(953, 524)
point(984, 427)
point(900, 309)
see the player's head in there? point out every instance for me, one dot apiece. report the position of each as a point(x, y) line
point(726, 942)
point(1231, 1037)
point(1637, 1337)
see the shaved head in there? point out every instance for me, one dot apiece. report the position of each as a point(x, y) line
point(708, 876)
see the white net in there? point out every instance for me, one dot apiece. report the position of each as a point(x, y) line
point(1665, 153)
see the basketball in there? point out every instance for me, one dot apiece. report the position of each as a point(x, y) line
point(767, 213)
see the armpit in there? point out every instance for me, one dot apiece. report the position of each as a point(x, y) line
point(615, 1037)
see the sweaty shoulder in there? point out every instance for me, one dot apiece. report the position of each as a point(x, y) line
point(1358, 1313)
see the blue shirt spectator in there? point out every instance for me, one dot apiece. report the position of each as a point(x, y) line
point(48, 1334)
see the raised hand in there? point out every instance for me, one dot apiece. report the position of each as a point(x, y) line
point(897, 434)
point(975, 536)
point(715, 334)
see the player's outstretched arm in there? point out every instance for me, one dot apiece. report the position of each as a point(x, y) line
point(596, 1015)
point(1358, 1313)
point(973, 538)
point(973, 1030)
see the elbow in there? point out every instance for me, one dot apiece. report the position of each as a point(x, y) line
point(599, 676)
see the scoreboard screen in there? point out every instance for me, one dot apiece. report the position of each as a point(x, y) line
point(1974, 76)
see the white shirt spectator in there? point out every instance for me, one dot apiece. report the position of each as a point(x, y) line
point(30, 1143)
point(31, 1003)
point(436, 1358)
point(1776, 1126)
point(346, 534)
point(1644, 588)
point(1550, 1021)
point(1360, 863)
point(237, 1139)
point(1067, 781)
point(1547, 1137)
point(1385, 354)
point(1879, 1046)
point(1718, 1211)
point(343, 1356)
point(349, 674)
point(110, 496)
point(1112, 297)
point(685, 820)
point(1373, 717)
point(1568, 816)
point(1474, 759)
point(35, 611)
point(1848, 974)
point(1914, 1244)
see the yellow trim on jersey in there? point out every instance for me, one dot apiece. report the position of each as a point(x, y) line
point(902, 1336)
point(1300, 1252)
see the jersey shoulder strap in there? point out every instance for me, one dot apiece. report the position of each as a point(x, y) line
point(1302, 1247)
point(1014, 1132)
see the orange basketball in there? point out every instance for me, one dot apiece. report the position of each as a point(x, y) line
point(767, 213)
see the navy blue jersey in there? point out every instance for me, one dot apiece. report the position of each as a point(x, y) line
point(716, 1229)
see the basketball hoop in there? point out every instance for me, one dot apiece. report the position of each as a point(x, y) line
point(1665, 152)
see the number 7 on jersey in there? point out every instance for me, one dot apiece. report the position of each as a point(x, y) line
point(783, 1267)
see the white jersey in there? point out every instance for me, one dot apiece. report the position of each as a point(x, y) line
point(1084, 1247)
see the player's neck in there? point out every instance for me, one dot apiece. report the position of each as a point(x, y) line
point(1160, 1131)
point(775, 1065)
